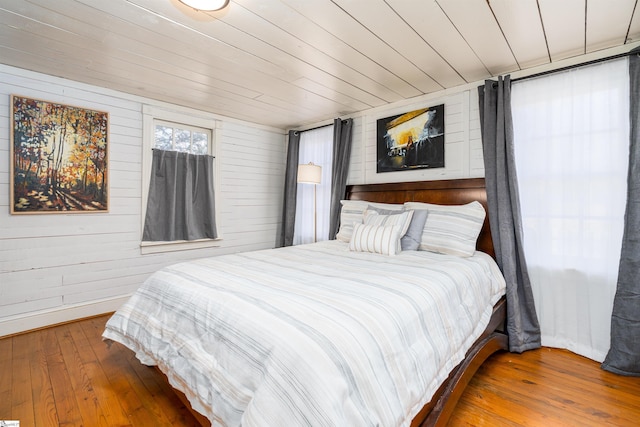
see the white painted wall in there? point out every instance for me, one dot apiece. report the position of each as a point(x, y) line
point(55, 268)
point(58, 267)
point(463, 145)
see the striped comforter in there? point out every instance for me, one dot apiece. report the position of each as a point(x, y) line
point(311, 335)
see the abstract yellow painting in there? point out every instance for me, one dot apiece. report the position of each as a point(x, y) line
point(413, 140)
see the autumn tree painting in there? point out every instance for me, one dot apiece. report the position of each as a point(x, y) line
point(59, 158)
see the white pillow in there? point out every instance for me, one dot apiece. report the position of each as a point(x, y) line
point(381, 239)
point(451, 230)
point(352, 212)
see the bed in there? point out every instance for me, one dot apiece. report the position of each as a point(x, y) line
point(327, 333)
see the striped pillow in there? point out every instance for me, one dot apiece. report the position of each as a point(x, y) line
point(401, 218)
point(381, 239)
point(352, 212)
point(451, 230)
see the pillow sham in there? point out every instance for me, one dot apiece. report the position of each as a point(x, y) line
point(385, 211)
point(352, 211)
point(451, 230)
point(381, 239)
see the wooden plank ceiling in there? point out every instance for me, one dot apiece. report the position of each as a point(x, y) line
point(290, 63)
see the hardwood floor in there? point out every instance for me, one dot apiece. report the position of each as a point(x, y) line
point(547, 387)
point(66, 376)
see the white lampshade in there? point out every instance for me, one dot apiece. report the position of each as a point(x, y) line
point(309, 173)
point(206, 5)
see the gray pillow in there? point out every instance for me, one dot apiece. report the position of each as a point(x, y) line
point(411, 240)
point(382, 211)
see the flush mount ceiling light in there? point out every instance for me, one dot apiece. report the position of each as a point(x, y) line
point(206, 5)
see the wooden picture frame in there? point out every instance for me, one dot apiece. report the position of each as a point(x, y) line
point(59, 158)
point(412, 140)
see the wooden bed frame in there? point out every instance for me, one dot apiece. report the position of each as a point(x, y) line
point(446, 192)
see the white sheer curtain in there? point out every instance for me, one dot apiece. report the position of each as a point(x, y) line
point(571, 136)
point(315, 146)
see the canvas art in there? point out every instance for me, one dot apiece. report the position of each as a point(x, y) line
point(58, 158)
point(412, 140)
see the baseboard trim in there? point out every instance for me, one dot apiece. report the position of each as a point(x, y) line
point(28, 322)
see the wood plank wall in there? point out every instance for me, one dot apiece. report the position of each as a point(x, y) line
point(61, 266)
point(55, 268)
point(463, 143)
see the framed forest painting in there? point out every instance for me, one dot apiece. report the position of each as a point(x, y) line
point(59, 158)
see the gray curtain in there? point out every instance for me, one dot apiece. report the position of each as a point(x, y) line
point(624, 354)
point(181, 202)
point(504, 212)
point(290, 191)
point(342, 132)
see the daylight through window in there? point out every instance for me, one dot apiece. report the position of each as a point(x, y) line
point(178, 137)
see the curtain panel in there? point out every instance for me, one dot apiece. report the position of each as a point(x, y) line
point(316, 146)
point(181, 202)
point(285, 238)
point(572, 134)
point(342, 136)
point(504, 212)
point(624, 354)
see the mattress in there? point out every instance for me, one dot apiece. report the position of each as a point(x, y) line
point(311, 335)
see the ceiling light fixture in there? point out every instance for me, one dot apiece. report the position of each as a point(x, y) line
point(206, 5)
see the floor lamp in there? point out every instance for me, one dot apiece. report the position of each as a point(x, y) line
point(310, 174)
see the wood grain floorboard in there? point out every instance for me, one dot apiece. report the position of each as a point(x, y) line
point(548, 387)
point(67, 409)
point(67, 376)
point(6, 375)
point(42, 392)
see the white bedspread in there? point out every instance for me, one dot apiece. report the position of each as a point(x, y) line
point(312, 335)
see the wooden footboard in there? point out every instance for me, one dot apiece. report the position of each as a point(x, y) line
point(447, 192)
point(201, 419)
point(441, 406)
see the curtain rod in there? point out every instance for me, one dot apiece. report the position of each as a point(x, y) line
point(582, 64)
point(317, 127)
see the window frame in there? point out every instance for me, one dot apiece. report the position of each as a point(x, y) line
point(189, 119)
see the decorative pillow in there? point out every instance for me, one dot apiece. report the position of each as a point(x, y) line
point(401, 218)
point(352, 211)
point(450, 230)
point(411, 240)
point(381, 239)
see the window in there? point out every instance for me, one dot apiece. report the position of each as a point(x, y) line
point(183, 131)
point(316, 146)
point(571, 137)
point(181, 137)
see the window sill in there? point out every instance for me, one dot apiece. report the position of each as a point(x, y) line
point(178, 245)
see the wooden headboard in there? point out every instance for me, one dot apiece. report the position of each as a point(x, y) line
point(445, 192)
